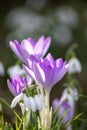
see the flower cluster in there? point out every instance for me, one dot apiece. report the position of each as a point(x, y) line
point(33, 93)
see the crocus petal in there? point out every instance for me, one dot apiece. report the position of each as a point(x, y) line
point(15, 46)
point(16, 100)
point(46, 45)
point(65, 109)
point(11, 87)
point(59, 63)
point(49, 75)
point(32, 41)
point(29, 72)
point(42, 46)
point(59, 75)
point(50, 58)
point(71, 102)
point(27, 48)
point(55, 103)
point(39, 73)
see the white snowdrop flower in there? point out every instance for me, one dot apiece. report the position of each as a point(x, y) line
point(74, 66)
point(32, 104)
point(26, 101)
point(2, 70)
point(16, 100)
point(38, 101)
point(14, 70)
point(70, 92)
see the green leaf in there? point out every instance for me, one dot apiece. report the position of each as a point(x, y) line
point(77, 117)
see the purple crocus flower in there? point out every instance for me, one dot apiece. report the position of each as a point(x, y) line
point(66, 105)
point(16, 84)
point(31, 47)
point(47, 71)
point(64, 108)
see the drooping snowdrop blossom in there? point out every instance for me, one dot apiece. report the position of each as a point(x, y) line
point(74, 66)
point(29, 103)
point(66, 104)
point(16, 84)
point(33, 103)
point(30, 47)
point(47, 71)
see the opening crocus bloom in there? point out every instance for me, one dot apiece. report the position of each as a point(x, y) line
point(47, 71)
point(16, 84)
point(31, 47)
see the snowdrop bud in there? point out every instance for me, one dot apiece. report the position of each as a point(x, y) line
point(2, 71)
point(16, 100)
point(38, 101)
point(74, 66)
point(32, 104)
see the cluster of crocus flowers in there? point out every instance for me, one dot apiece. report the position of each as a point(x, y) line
point(45, 71)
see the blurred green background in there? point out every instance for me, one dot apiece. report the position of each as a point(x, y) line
point(64, 20)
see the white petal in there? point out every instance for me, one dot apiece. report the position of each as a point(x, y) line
point(74, 66)
point(38, 101)
point(26, 102)
point(16, 100)
point(32, 104)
